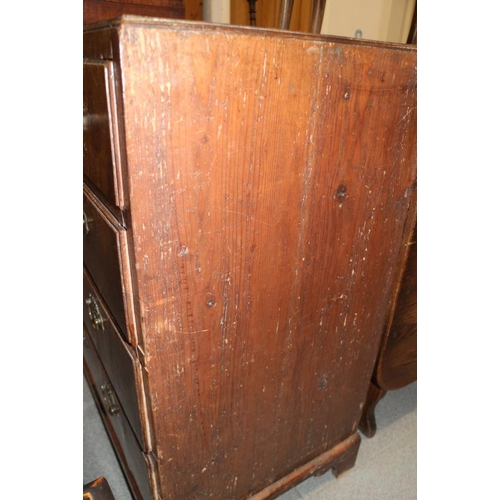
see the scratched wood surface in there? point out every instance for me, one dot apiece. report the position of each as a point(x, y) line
point(271, 176)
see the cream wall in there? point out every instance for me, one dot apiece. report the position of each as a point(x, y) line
point(217, 11)
point(386, 20)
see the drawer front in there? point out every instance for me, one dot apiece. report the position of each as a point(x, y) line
point(135, 462)
point(121, 365)
point(101, 158)
point(104, 255)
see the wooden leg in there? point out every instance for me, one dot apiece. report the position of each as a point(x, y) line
point(340, 457)
point(367, 425)
point(345, 460)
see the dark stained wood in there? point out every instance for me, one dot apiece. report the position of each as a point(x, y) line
point(98, 490)
point(267, 217)
point(99, 10)
point(122, 367)
point(397, 364)
point(105, 255)
point(98, 47)
point(368, 424)
point(134, 462)
point(100, 156)
point(412, 35)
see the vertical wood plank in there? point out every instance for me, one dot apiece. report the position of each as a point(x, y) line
point(267, 211)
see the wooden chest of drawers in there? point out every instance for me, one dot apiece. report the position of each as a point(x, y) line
point(246, 196)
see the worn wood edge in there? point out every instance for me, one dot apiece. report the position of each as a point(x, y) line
point(149, 458)
point(114, 135)
point(144, 409)
point(201, 26)
point(123, 260)
point(129, 252)
point(321, 463)
point(142, 401)
point(405, 251)
point(152, 465)
point(97, 489)
point(133, 487)
point(95, 483)
point(109, 83)
point(130, 317)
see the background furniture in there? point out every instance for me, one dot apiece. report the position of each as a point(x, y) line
point(99, 10)
point(397, 360)
point(243, 231)
point(384, 20)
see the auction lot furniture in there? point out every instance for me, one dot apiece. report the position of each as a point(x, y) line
point(247, 198)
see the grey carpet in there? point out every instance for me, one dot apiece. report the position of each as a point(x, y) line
point(386, 467)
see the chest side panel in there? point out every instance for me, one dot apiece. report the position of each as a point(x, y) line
point(270, 181)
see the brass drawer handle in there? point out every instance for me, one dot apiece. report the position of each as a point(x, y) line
point(109, 399)
point(94, 313)
point(86, 220)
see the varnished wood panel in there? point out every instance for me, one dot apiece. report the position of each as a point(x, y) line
point(267, 211)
